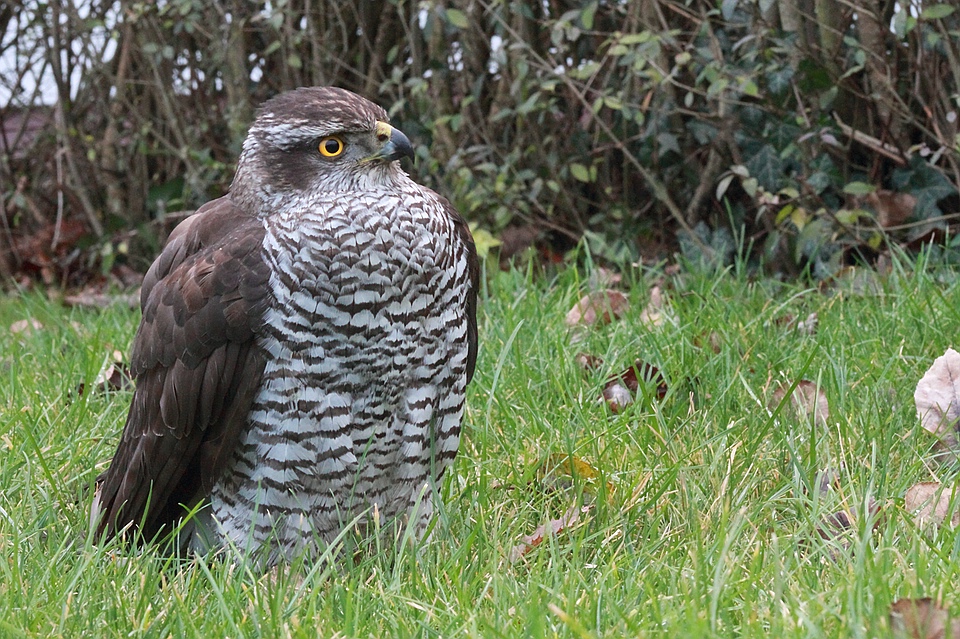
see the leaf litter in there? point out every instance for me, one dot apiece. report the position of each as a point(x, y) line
point(937, 399)
point(922, 618)
point(621, 389)
point(807, 400)
point(597, 307)
point(561, 473)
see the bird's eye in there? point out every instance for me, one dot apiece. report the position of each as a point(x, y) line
point(331, 147)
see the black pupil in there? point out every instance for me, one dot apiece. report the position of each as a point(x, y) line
point(332, 146)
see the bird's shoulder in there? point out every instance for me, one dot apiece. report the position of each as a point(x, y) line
point(210, 224)
point(209, 285)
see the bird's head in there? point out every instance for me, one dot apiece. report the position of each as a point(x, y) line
point(318, 139)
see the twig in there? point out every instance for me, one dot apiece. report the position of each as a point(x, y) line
point(658, 188)
point(883, 148)
point(64, 150)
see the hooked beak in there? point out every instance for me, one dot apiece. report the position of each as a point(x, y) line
point(395, 144)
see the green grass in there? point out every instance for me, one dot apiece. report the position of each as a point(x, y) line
point(709, 529)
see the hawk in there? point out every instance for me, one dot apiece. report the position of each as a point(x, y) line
point(305, 344)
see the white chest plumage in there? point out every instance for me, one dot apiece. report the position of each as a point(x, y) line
point(363, 391)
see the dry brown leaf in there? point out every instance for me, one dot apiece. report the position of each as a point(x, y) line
point(806, 400)
point(621, 389)
point(588, 362)
point(552, 527)
point(654, 314)
point(806, 326)
point(932, 503)
point(617, 396)
point(516, 239)
point(938, 398)
point(892, 208)
point(25, 326)
point(711, 340)
point(922, 619)
point(561, 470)
point(840, 526)
point(809, 325)
point(601, 278)
point(837, 525)
point(854, 280)
point(114, 375)
point(600, 306)
point(785, 320)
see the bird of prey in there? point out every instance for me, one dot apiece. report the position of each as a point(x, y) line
point(305, 345)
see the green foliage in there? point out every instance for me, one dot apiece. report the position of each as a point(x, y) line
point(622, 123)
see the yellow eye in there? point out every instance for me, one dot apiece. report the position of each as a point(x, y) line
point(331, 147)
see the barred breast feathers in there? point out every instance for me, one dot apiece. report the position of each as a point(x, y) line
point(371, 344)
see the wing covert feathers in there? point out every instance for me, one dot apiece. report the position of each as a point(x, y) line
point(197, 368)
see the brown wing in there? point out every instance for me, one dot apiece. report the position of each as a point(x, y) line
point(473, 272)
point(197, 368)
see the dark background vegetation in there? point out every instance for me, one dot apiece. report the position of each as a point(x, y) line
point(803, 135)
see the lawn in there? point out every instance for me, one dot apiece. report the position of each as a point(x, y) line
point(701, 510)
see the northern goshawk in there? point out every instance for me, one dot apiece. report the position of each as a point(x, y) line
point(305, 346)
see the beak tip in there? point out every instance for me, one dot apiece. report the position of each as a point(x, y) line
point(398, 146)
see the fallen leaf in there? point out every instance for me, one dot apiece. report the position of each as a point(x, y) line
point(806, 326)
point(617, 396)
point(588, 362)
point(654, 314)
point(809, 325)
point(807, 400)
point(600, 306)
point(932, 503)
point(601, 278)
point(836, 524)
point(839, 525)
point(114, 375)
point(938, 398)
point(127, 277)
point(892, 208)
point(516, 239)
point(922, 619)
point(784, 320)
point(560, 471)
point(25, 326)
point(828, 480)
point(620, 390)
point(852, 280)
point(712, 340)
point(552, 527)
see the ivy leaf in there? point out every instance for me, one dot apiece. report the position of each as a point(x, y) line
point(586, 17)
point(750, 88)
point(767, 167)
point(457, 18)
point(727, 7)
point(936, 12)
point(580, 172)
point(926, 183)
point(859, 188)
point(778, 80)
point(782, 134)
